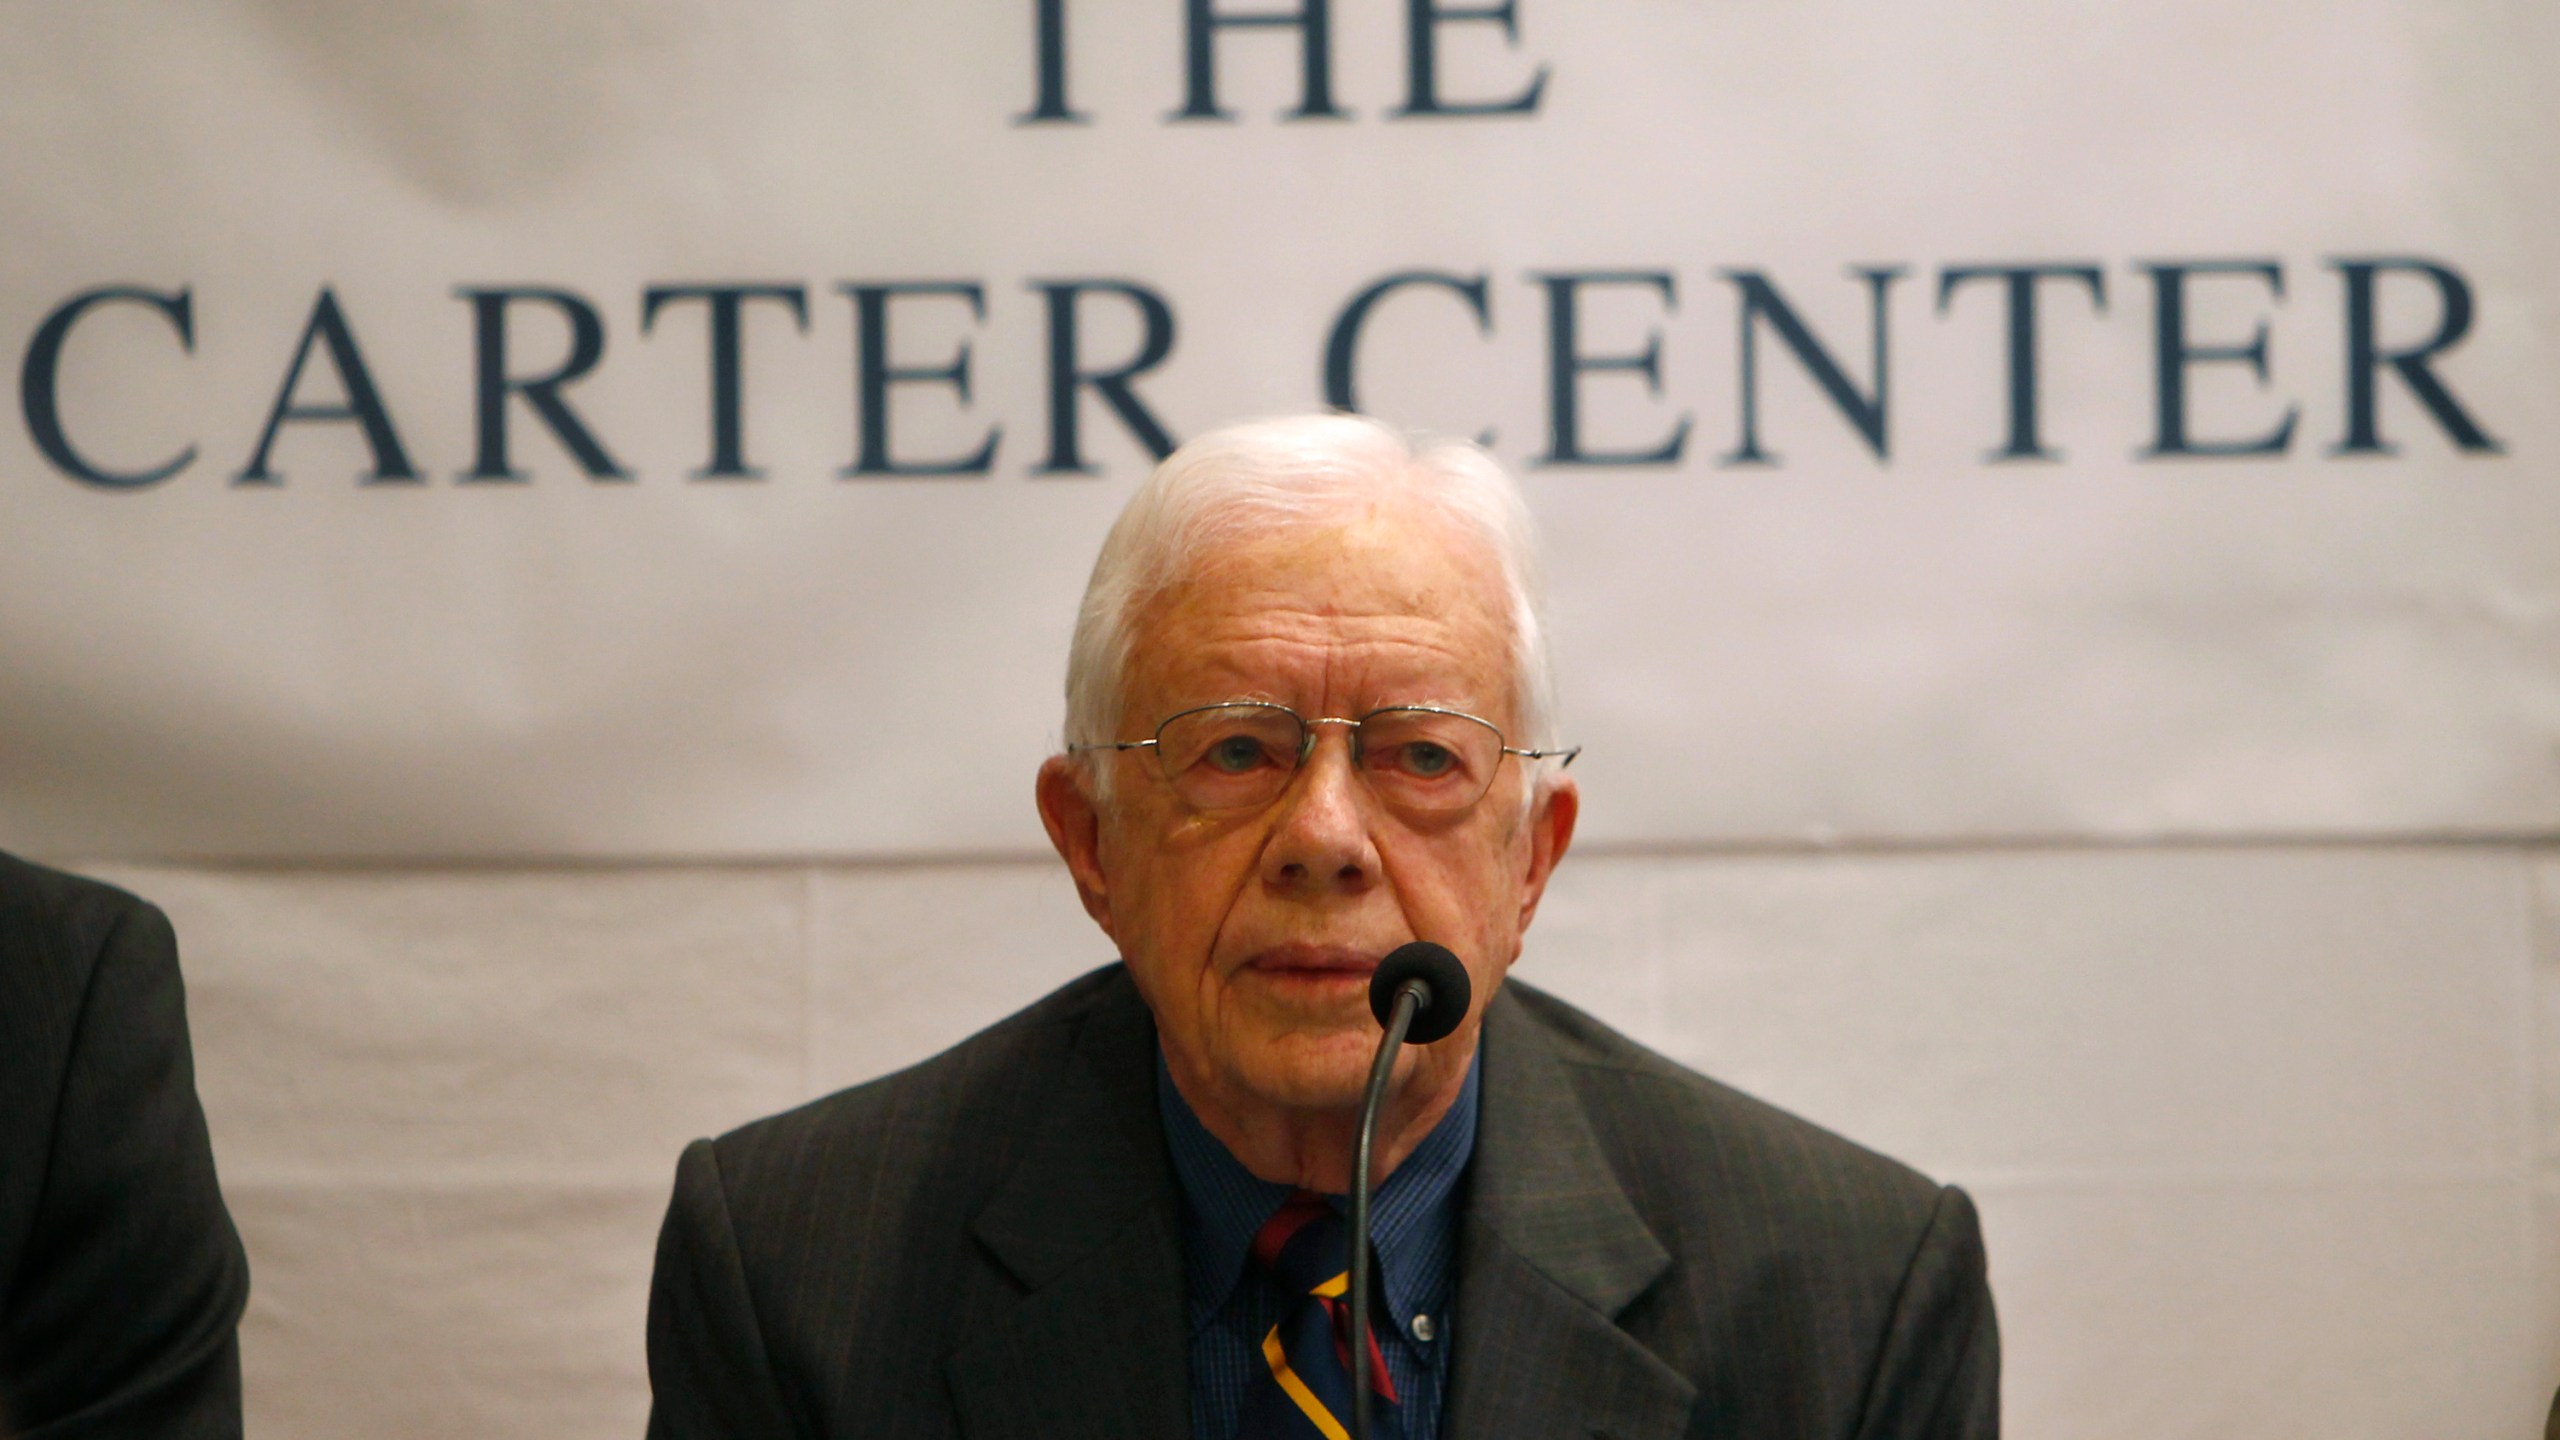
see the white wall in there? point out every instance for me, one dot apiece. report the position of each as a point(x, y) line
point(2267, 1138)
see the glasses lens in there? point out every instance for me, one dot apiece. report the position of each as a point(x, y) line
point(1228, 757)
point(1428, 759)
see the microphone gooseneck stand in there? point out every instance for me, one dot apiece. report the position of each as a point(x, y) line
point(1419, 994)
point(1409, 998)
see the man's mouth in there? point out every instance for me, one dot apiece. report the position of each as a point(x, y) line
point(1315, 965)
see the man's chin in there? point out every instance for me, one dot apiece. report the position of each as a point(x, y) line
point(1310, 1073)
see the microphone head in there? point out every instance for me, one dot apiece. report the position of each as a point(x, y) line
point(1448, 991)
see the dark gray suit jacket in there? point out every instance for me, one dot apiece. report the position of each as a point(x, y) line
point(121, 1278)
point(987, 1246)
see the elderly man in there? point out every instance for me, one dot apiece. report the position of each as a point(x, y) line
point(1308, 721)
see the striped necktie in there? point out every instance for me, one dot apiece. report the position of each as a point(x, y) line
point(1302, 1389)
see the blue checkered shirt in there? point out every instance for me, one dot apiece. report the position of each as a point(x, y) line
point(1413, 1223)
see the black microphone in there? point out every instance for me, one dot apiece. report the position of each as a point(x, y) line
point(1420, 994)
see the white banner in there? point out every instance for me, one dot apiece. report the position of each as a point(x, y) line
point(526, 430)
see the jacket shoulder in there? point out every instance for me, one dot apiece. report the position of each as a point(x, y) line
point(1687, 1146)
point(1811, 1285)
point(56, 929)
point(946, 1129)
point(844, 1226)
point(62, 918)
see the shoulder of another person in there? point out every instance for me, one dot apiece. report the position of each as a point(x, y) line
point(60, 911)
point(56, 929)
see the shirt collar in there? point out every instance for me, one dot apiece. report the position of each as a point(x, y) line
point(1223, 1203)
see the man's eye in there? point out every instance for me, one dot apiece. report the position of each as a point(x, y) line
point(1426, 759)
point(1235, 755)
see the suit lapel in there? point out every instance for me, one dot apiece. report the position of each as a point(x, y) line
point(1550, 1253)
point(1096, 1350)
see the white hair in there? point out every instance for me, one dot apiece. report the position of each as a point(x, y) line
point(1266, 475)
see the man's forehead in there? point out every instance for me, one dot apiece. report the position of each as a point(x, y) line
point(1393, 533)
point(1381, 562)
point(1403, 588)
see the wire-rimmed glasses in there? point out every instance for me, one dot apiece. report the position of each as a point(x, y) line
point(1240, 754)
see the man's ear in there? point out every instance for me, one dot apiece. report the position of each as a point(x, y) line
point(1074, 823)
point(1551, 818)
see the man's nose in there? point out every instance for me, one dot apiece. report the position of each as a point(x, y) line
point(1320, 837)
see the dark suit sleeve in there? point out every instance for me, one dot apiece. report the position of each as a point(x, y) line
point(122, 1316)
point(1938, 1374)
point(709, 1373)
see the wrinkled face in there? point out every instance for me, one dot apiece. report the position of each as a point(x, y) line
point(1253, 934)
